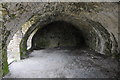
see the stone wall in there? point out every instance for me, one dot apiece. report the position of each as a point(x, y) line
point(58, 34)
point(1, 72)
point(18, 13)
point(98, 19)
point(119, 27)
point(13, 51)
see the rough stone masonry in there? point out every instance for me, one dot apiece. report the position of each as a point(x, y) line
point(97, 21)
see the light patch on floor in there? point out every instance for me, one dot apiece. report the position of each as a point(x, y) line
point(55, 63)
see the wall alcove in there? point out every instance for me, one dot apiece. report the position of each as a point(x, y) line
point(58, 34)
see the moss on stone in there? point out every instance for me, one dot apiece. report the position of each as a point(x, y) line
point(23, 49)
point(5, 64)
point(13, 16)
point(5, 35)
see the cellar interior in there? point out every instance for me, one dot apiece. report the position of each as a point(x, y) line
point(59, 40)
point(58, 34)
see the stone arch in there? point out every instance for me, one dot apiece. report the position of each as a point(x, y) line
point(97, 37)
point(13, 53)
point(58, 34)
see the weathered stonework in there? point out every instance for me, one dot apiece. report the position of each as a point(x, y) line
point(1, 72)
point(5, 34)
point(98, 22)
point(97, 10)
point(96, 27)
point(58, 34)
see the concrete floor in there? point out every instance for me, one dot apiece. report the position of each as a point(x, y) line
point(64, 63)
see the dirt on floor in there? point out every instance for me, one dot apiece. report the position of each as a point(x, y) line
point(64, 63)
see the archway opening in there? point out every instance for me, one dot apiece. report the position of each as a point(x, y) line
point(13, 52)
point(58, 34)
